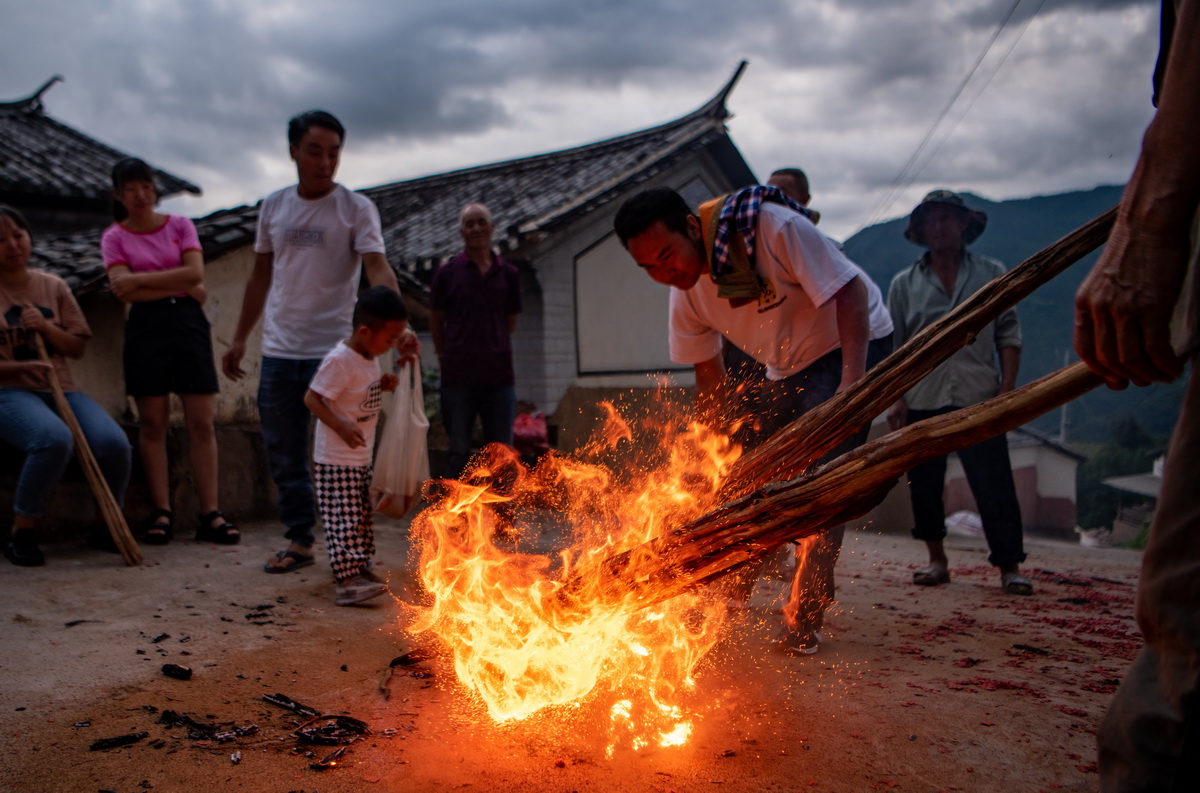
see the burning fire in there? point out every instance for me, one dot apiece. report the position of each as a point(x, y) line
point(524, 644)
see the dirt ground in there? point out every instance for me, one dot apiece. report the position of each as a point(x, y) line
point(959, 687)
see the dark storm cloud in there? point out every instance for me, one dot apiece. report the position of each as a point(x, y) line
point(209, 86)
point(406, 71)
point(205, 89)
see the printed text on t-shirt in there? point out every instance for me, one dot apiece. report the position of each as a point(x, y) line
point(305, 238)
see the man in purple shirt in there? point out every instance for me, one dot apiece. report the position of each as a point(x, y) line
point(474, 303)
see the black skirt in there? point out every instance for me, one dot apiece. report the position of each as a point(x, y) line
point(168, 349)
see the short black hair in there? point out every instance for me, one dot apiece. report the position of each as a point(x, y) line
point(300, 124)
point(648, 207)
point(16, 217)
point(794, 173)
point(377, 306)
point(130, 169)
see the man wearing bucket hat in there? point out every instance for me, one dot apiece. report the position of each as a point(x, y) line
point(945, 276)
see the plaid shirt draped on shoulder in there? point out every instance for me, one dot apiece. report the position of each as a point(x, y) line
point(740, 214)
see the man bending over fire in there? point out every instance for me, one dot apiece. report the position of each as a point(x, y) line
point(785, 295)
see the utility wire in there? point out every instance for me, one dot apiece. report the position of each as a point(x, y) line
point(900, 183)
point(970, 104)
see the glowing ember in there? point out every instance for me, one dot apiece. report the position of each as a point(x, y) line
point(518, 639)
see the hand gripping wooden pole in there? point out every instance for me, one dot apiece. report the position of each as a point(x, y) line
point(113, 517)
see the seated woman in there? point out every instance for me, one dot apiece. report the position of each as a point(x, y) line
point(33, 302)
point(155, 264)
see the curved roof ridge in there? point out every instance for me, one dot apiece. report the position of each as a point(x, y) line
point(716, 106)
point(713, 110)
point(46, 161)
point(33, 102)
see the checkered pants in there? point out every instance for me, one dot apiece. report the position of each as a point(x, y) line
point(342, 497)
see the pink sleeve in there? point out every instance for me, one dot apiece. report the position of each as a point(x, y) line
point(111, 248)
point(189, 240)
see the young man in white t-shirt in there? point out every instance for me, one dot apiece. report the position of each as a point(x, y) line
point(313, 241)
point(816, 324)
point(345, 396)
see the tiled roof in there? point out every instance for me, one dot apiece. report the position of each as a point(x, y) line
point(76, 257)
point(48, 164)
point(527, 196)
point(1026, 436)
point(536, 195)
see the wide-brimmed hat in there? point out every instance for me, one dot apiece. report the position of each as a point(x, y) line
point(976, 220)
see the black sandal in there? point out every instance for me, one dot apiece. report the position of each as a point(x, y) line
point(23, 549)
point(157, 532)
point(224, 534)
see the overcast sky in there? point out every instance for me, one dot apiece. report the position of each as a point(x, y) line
point(846, 89)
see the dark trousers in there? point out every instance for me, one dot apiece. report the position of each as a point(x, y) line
point(1150, 737)
point(774, 404)
point(989, 473)
point(494, 405)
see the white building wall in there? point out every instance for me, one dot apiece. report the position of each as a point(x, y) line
point(555, 265)
point(1056, 471)
point(557, 369)
point(529, 341)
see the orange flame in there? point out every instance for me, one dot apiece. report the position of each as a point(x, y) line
point(516, 641)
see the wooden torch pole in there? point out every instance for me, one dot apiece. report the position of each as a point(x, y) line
point(113, 517)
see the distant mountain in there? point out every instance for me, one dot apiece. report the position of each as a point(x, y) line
point(1016, 230)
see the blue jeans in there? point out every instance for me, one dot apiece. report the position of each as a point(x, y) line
point(29, 422)
point(286, 423)
point(495, 406)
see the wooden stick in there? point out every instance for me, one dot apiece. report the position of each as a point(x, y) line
point(113, 517)
point(848, 487)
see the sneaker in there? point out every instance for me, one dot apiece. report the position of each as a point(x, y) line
point(23, 550)
point(356, 589)
point(791, 643)
point(369, 574)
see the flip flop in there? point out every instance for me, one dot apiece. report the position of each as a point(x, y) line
point(1016, 584)
point(933, 575)
point(298, 560)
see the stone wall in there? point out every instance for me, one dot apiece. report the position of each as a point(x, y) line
point(246, 492)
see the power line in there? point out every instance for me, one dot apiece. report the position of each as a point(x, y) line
point(899, 182)
point(986, 81)
point(902, 180)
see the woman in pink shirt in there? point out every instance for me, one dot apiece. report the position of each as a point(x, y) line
point(155, 264)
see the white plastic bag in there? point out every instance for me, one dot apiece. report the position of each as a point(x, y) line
point(402, 459)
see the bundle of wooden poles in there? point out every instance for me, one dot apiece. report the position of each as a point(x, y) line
point(774, 494)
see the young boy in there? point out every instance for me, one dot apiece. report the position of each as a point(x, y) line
point(314, 242)
point(345, 396)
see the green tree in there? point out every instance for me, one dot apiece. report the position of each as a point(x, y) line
point(1127, 453)
point(1128, 434)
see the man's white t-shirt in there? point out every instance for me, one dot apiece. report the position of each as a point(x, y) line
point(793, 323)
point(318, 247)
point(350, 383)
